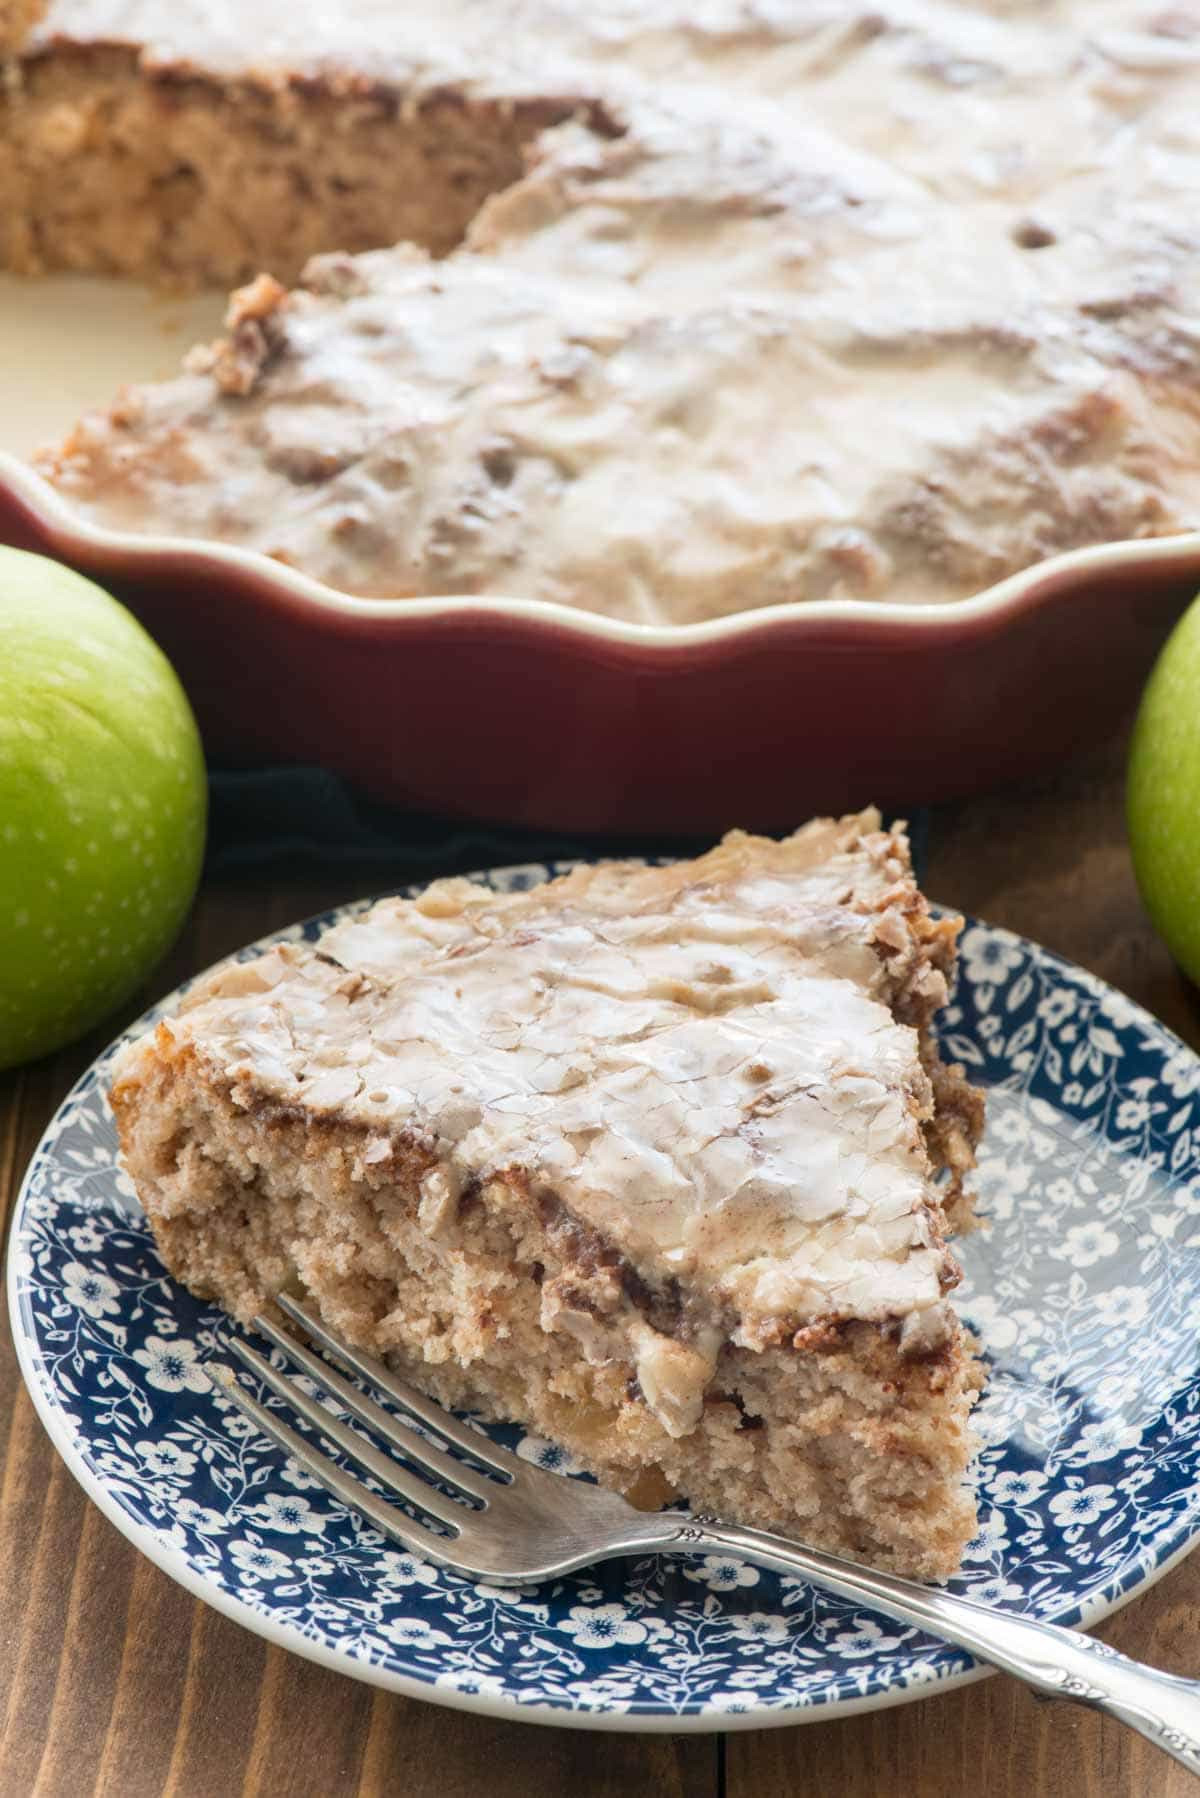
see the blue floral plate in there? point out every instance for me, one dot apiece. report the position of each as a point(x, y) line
point(1085, 1292)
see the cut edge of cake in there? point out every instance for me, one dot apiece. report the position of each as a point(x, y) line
point(118, 160)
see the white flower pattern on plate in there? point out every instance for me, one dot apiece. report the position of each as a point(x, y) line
point(988, 957)
point(600, 1626)
point(730, 1701)
point(166, 1458)
point(867, 1637)
point(1103, 1440)
point(201, 1518)
point(1085, 1244)
point(548, 1455)
point(759, 1626)
point(1017, 1490)
point(90, 1292)
point(86, 1238)
point(404, 1570)
point(287, 1513)
point(413, 1632)
point(463, 1679)
point(172, 1366)
point(1080, 1505)
point(722, 1573)
point(1093, 1350)
point(1123, 1306)
point(255, 1562)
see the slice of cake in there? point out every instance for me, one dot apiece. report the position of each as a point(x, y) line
point(644, 1159)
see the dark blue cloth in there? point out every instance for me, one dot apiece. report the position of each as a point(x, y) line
point(276, 817)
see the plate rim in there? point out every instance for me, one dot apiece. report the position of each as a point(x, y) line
point(504, 1708)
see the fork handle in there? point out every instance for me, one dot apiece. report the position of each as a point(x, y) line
point(1061, 1663)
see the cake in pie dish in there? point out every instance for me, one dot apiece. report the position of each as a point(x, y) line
point(694, 313)
point(658, 1162)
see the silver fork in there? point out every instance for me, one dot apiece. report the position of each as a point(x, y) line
point(494, 1516)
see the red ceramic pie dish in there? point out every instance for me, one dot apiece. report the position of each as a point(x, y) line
point(528, 713)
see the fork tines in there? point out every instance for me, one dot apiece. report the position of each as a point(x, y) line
point(451, 1489)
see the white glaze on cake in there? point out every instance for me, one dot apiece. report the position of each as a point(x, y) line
point(887, 304)
point(471, 44)
point(701, 1064)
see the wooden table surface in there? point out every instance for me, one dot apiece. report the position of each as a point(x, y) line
point(113, 1680)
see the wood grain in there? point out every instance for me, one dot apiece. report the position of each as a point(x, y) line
point(114, 1681)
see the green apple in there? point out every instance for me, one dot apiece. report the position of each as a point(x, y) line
point(102, 805)
point(1163, 793)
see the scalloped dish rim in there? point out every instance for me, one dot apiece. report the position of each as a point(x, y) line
point(66, 527)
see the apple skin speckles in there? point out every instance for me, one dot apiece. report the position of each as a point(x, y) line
point(103, 801)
